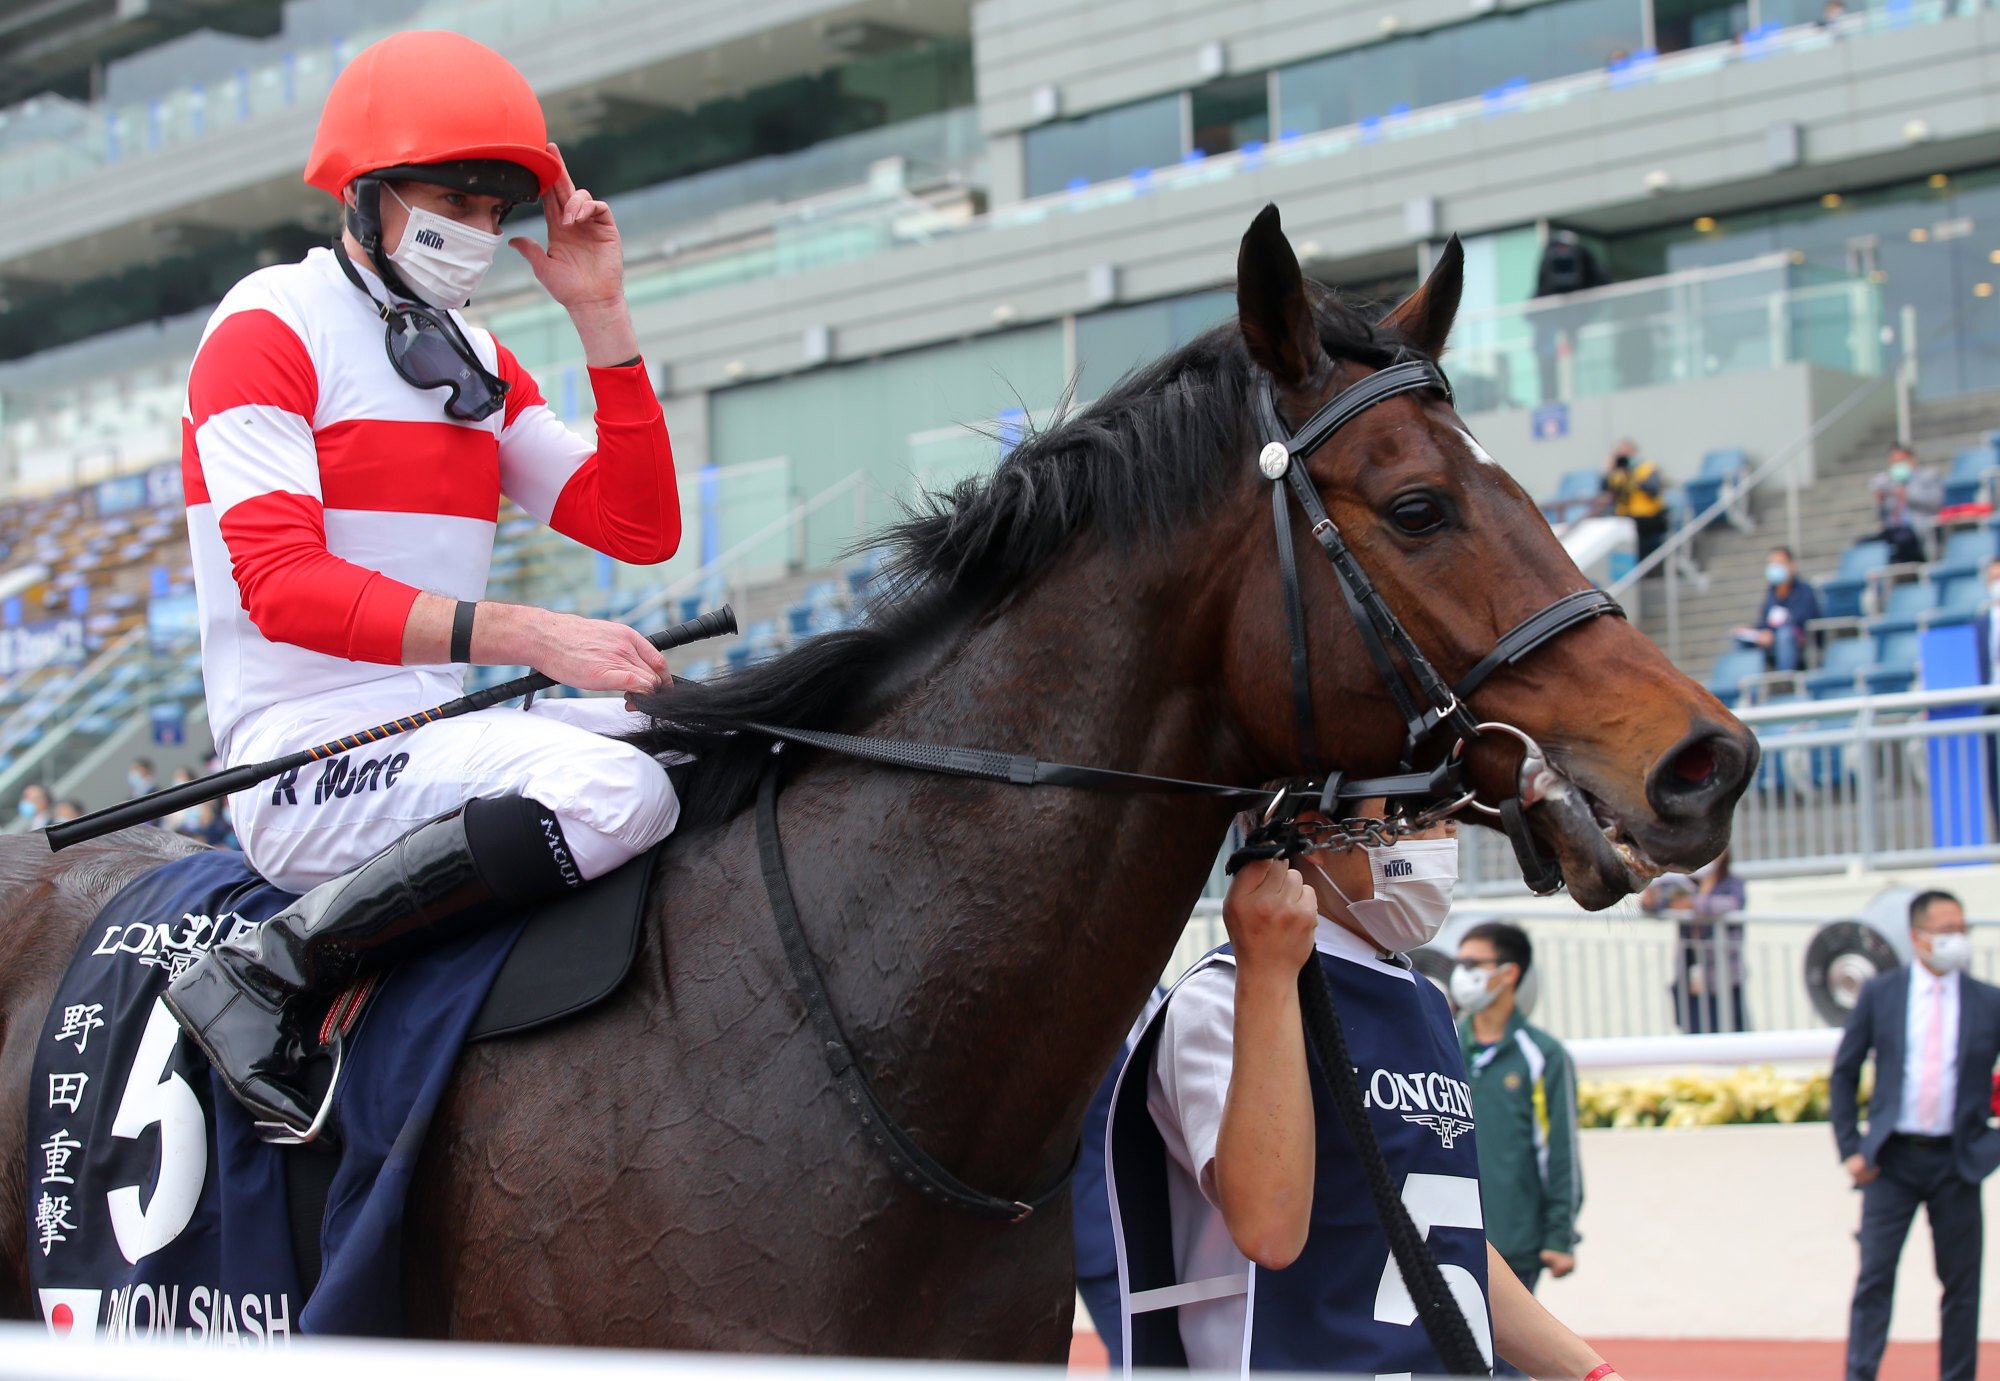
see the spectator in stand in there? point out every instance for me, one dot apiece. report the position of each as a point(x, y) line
point(139, 777)
point(1907, 499)
point(33, 807)
point(1708, 951)
point(1935, 1033)
point(1634, 488)
point(68, 808)
point(1789, 605)
point(1524, 1107)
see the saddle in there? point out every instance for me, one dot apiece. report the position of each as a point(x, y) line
point(266, 1238)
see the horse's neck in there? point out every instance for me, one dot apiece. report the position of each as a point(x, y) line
point(988, 946)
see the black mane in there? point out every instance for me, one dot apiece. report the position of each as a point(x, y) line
point(1146, 457)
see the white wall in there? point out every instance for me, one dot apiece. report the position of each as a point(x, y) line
point(1734, 1232)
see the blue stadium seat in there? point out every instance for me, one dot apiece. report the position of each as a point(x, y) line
point(1907, 606)
point(1575, 492)
point(799, 619)
point(1840, 670)
point(1840, 594)
point(1725, 683)
point(695, 671)
point(1966, 552)
point(1966, 480)
point(738, 656)
point(1960, 599)
point(1895, 667)
point(1718, 468)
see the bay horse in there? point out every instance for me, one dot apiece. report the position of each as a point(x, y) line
point(674, 1169)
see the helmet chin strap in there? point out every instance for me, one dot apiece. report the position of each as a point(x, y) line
point(363, 219)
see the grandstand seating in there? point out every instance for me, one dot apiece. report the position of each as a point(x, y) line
point(1575, 492)
point(1906, 607)
point(1719, 470)
point(1731, 668)
point(1966, 481)
point(1840, 670)
point(1843, 595)
point(1966, 552)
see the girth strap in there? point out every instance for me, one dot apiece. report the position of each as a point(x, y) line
point(908, 1161)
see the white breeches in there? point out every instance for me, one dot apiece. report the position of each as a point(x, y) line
point(614, 801)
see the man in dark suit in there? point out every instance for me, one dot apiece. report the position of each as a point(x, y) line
point(1935, 1031)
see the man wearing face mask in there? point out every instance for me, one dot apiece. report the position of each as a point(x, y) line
point(347, 441)
point(1247, 1238)
point(1935, 1032)
point(1907, 498)
point(1524, 1104)
point(1789, 605)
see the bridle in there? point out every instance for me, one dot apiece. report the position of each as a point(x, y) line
point(1417, 799)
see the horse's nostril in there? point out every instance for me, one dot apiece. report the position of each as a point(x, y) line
point(1695, 764)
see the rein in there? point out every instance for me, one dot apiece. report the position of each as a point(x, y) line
point(1421, 797)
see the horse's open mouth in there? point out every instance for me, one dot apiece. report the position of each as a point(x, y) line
point(1601, 861)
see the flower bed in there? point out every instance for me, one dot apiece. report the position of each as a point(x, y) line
point(1705, 1100)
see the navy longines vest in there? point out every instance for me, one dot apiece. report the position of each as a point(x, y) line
point(1342, 1306)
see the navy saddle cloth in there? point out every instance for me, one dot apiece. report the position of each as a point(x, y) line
point(155, 1211)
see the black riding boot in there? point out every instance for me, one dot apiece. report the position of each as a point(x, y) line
point(245, 1002)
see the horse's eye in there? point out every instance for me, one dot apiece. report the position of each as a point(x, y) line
point(1418, 514)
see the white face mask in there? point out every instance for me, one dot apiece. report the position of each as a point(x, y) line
point(1472, 990)
point(1413, 882)
point(1950, 952)
point(444, 260)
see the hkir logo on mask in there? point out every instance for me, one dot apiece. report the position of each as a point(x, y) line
point(1398, 868)
point(430, 238)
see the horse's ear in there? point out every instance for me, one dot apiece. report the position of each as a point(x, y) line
point(1271, 304)
point(1425, 316)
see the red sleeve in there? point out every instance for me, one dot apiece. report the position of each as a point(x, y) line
point(298, 592)
point(620, 500)
point(251, 397)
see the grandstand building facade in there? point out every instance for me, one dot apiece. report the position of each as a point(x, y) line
point(869, 242)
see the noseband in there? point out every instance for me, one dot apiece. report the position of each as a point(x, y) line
point(1417, 798)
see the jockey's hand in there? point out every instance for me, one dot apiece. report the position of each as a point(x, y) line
point(1270, 914)
point(598, 655)
point(584, 264)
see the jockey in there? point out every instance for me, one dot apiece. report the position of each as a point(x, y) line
point(341, 512)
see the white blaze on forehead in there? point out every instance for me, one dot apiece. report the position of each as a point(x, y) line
point(1472, 445)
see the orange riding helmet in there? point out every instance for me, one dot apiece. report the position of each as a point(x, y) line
point(433, 107)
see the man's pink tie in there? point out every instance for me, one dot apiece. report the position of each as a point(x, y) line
point(1929, 1092)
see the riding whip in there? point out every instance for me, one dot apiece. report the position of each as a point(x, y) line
point(169, 799)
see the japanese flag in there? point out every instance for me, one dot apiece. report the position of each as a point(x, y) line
point(72, 1314)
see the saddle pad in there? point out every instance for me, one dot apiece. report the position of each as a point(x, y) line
point(154, 1209)
point(573, 953)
